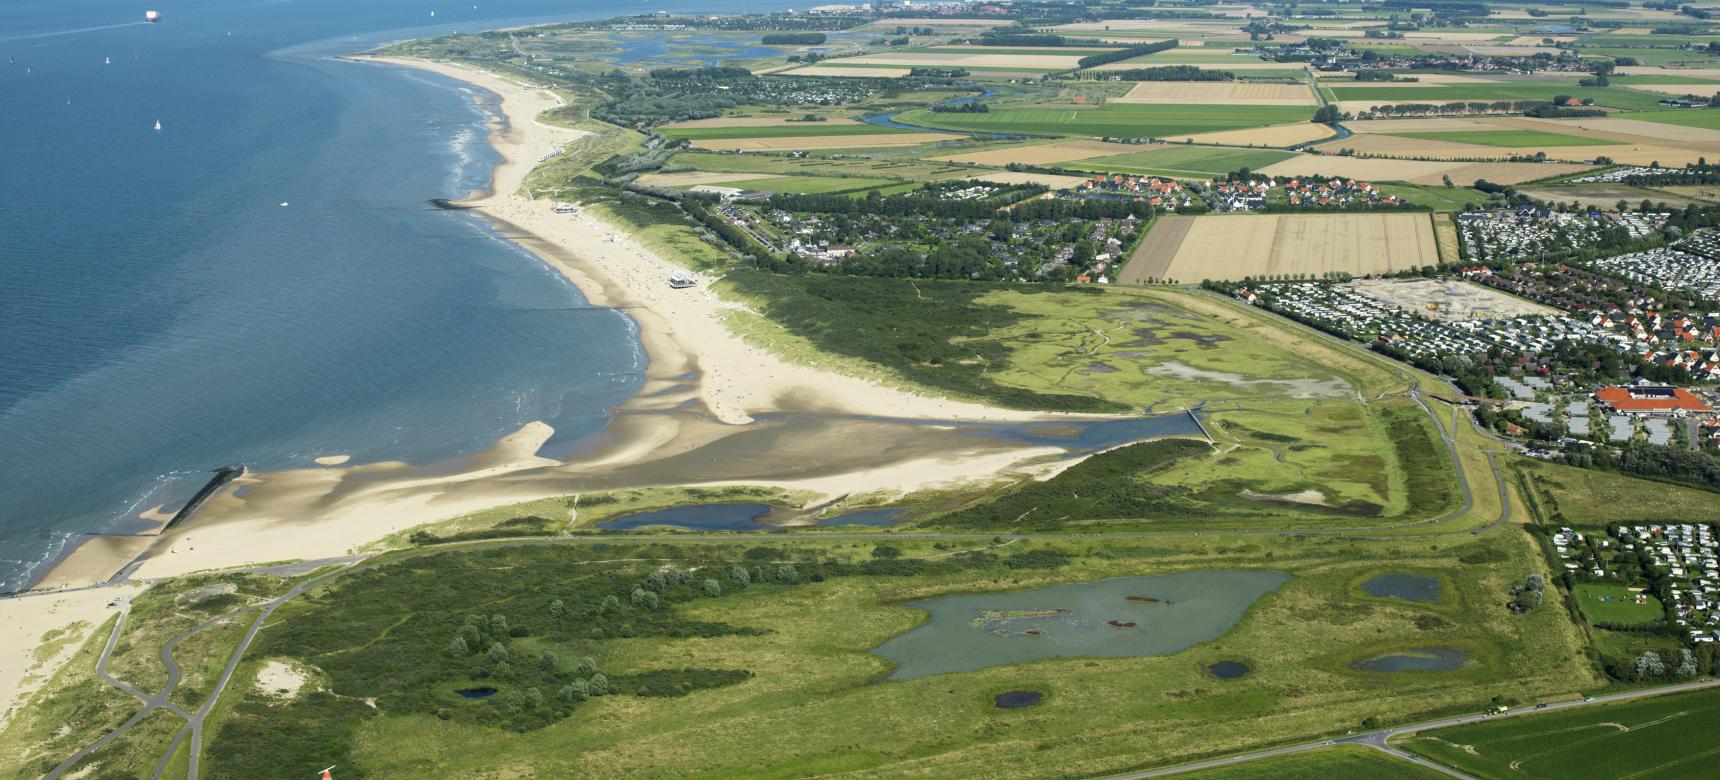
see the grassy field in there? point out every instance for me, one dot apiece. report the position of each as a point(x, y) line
point(812, 705)
point(1616, 604)
point(1342, 762)
point(1200, 161)
point(1121, 121)
point(1706, 118)
point(1510, 138)
point(775, 131)
point(1590, 498)
point(1647, 738)
point(1436, 197)
point(801, 185)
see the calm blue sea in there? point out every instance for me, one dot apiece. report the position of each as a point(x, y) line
point(163, 314)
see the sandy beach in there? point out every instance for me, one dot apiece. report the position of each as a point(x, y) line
point(713, 410)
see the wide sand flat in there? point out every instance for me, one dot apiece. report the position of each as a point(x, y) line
point(1236, 246)
point(1218, 93)
point(823, 141)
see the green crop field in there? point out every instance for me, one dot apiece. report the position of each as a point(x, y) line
point(1511, 138)
point(1707, 118)
point(1669, 78)
point(1615, 97)
point(1202, 161)
point(1616, 604)
point(1342, 762)
point(1647, 738)
point(775, 131)
point(1651, 56)
point(1127, 121)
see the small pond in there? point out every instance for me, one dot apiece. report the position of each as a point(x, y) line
point(1010, 700)
point(883, 516)
point(1420, 659)
point(704, 517)
point(1114, 618)
point(476, 693)
point(1410, 587)
point(1228, 670)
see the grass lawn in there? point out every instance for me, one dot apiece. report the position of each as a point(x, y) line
point(1604, 603)
point(1647, 738)
point(775, 131)
point(1690, 117)
point(1590, 498)
point(813, 704)
point(1127, 121)
point(1436, 197)
point(1342, 762)
point(1656, 78)
point(1201, 161)
point(1648, 56)
point(1511, 138)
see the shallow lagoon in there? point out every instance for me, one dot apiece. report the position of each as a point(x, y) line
point(1419, 659)
point(698, 517)
point(971, 631)
point(1410, 587)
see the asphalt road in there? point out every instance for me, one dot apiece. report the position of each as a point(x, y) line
point(1381, 739)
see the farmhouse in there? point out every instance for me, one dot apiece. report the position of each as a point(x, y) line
point(1650, 399)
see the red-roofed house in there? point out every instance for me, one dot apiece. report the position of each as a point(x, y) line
point(1645, 399)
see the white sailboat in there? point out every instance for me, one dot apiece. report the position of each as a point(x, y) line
point(157, 125)
point(107, 60)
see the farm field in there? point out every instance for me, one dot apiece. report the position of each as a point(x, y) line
point(1646, 738)
point(1185, 161)
point(1157, 121)
point(1510, 138)
point(1616, 604)
point(1703, 118)
point(791, 130)
point(1340, 762)
point(1253, 245)
point(1217, 92)
point(1614, 97)
point(1608, 196)
point(1438, 198)
point(1042, 154)
point(850, 71)
point(1420, 171)
point(1286, 135)
point(840, 141)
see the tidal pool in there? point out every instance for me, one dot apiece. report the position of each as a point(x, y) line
point(1113, 618)
point(1010, 700)
point(476, 693)
point(1228, 670)
point(702, 517)
point(1409, 587)
point(1419, 659)
point(883, 516)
